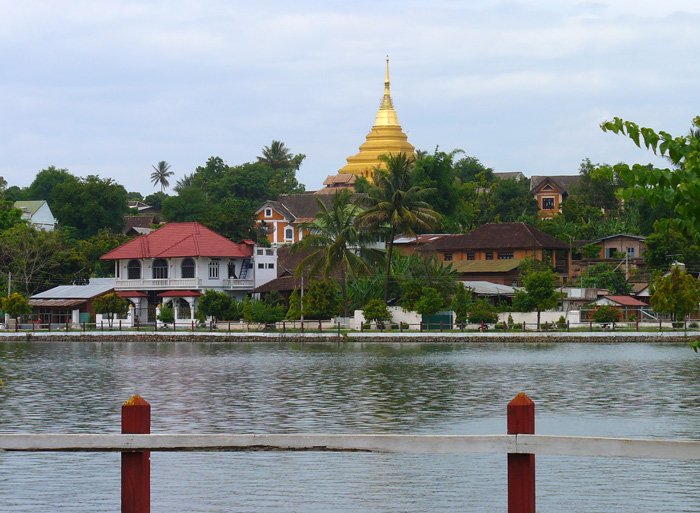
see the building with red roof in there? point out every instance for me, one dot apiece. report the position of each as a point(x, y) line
point(177, 262)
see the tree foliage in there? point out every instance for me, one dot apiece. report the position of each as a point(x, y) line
point(112, 305)
point(539, 294)
point(606, 313)
point(376, 311)
point(430, 303)
point(677, 294)
point(462, 303)
point(483, 311)
point(160, 175)
point(16, 305)
point(679, 188)
point(606, 276)
point(321, 300)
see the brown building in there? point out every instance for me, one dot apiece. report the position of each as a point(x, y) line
point(494, 251)
point(283, 217)
point(551, 191)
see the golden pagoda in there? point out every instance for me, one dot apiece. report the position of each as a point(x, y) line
point(385, 138)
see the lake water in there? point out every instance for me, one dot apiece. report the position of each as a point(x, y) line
point(618, 390)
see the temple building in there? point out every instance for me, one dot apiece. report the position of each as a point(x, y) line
point(386, 137)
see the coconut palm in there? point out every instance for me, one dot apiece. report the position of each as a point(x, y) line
point(161, 174)
point(277, 156)
point(335, 243)
point(394, 203)
point(185, 182)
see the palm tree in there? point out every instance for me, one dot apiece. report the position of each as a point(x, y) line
point(184, 183)
point(161, 175)
point(334, 242)
point(395, 203)
point(277, 156)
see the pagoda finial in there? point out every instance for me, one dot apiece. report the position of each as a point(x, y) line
point(387, 70)
point(386, 100)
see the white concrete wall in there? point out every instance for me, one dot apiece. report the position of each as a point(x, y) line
point(398, 315)
point(264, 265)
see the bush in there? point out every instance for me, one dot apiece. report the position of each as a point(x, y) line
point(606, 314)
point(166, 315)
point(376, 311)
point(483, 311)
point(561, 323)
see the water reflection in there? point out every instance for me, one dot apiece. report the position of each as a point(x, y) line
point(626, 390)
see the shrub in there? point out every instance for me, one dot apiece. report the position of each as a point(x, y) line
point(166, 315)
point(483, 311)
point(376, 310)
point(606, 314)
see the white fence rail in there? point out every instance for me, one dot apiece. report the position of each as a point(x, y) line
point(406, 444)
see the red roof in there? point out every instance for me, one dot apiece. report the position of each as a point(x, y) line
point(626, 300)
point(131, 293)
point(179, 240)
point(179, 293)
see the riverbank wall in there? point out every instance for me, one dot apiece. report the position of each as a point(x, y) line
point(362, 337)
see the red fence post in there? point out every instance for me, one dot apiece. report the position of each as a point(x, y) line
point(521, 467)
point(136, 466)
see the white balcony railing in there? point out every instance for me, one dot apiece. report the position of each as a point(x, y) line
point(169, 283)
point(238, 284)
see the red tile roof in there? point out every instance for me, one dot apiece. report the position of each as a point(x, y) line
point(626, 300)
point(131, 293)
point(178, 240)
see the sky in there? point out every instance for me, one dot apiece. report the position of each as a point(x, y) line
point(112, 88)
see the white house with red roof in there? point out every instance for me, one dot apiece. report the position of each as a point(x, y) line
point(176, 263)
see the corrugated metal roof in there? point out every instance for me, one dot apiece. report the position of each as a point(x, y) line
point(96, 287)
point(56, 302)
point(486, 288)
point(31, 206)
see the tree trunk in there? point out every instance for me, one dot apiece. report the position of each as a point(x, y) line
point(538, 319)
point(389, 251)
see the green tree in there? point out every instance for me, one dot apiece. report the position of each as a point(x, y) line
point(160, 175)
point(605, 276)
point(483, 311)
point(217, 305)
point(430, 303)
point(392, 201)
point(594, 190)
point(45, 183)
point(258, 311)
point(112, 305)
point(679, 188)
point(462, 303)
point(16, 305)
point(606, 314)
point(540, 293)
point(294, 312)
point(411, 292)
point(677, 294)
point(167, 314)
point(334, 242)
point(90, 204)
point(667, 245)
point(321, 300)
point(376, 311)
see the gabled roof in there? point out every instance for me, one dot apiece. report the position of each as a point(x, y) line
point(627, 235)
point(498, 236)
point(563, 182)
point(508, 175)
point(625, 300)
point(96, 287)
point(177, 240)
point(30, 206)
point(301, 207)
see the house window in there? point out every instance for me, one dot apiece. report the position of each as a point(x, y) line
point(270, 266)
point(547, 203)
point(448, 257)
point(288, 234)
point(133, 270)
point(630, 252)
point(214, 270)
point(505, 255)
point(268, 212)
point(470, 256)
point(260, 251)
point(261, 266)
point(232, 271)
point(270, 252)
point(160, 269)
point(187, 268)
point(489, 256)
point(610, 252)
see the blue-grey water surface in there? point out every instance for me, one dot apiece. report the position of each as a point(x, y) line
point(619, 390)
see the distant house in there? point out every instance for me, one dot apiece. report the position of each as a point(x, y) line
point(629, 308)
point(406, 245)
point(138, 225)
point(177, 262)
point(69, 303)
point(632, 246)
point(551, 191)
point(144, 209)
point(337, 182)
point(494, 251)
point(282, 218)
point(510, 175)
point(37, 213)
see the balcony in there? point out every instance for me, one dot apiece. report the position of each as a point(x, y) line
point(165, 284)
point(232, 284)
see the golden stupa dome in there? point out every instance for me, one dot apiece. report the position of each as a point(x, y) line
point(386, 137)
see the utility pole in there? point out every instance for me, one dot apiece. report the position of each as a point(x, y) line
point(9, 288)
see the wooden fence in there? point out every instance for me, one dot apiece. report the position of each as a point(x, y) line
point(520, 444)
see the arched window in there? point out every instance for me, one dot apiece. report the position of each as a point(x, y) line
point(133, 270)
point(187, 268)
point(160, 269)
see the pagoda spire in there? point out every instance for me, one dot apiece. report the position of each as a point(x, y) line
point(386, 114)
